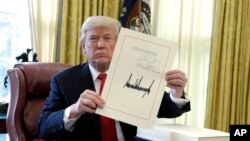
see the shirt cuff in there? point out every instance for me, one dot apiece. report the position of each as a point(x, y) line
point(68, 123)
point(179, 101)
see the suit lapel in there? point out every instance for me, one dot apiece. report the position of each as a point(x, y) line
point(85, 79)
point(86, 82)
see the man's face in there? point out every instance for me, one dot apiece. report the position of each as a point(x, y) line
point(99, 46)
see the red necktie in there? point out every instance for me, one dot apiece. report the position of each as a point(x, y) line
point(108, 128)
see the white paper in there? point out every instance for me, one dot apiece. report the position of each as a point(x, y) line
point(178, 132)
point(136, 78)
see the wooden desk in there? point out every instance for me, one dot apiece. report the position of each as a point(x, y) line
point(3, 123)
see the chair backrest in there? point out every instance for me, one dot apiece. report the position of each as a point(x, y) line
point(29, 87)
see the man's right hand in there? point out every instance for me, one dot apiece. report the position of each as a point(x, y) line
point(87, 102)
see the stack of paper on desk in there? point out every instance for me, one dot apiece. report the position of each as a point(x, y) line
point(176, 132)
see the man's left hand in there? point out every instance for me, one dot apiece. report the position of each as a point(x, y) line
point(176, 80)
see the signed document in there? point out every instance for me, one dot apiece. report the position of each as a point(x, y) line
point(136, 78)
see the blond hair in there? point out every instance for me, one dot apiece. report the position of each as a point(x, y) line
point(95, 21)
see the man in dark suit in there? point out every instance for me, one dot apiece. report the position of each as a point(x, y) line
point(69, 110)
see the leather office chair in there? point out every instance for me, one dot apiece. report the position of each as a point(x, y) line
point(29, 87)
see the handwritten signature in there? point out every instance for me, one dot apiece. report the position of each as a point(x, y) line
point(149, 63)
point(137, 86)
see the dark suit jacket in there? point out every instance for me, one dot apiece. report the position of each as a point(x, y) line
point(66, 88)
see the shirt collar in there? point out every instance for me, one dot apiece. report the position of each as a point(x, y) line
point(93, 72)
